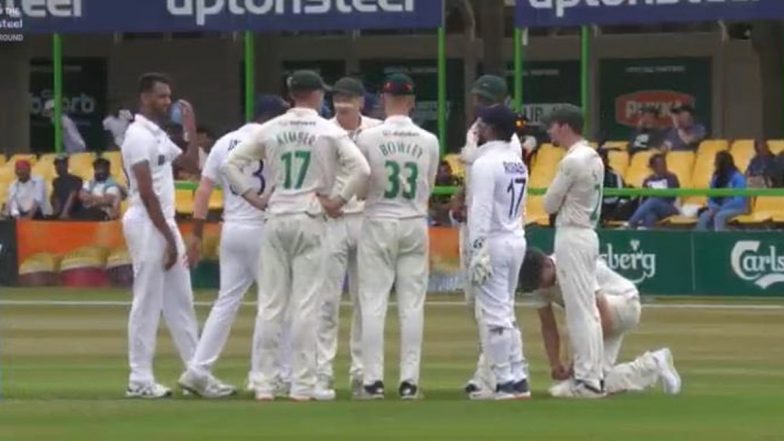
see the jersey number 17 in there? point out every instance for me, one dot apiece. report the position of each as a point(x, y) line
point(516, 190)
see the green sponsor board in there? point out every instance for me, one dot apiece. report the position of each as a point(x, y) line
point(546, 85)
point(84, 100)
point(626, 85)
point(425, 76)
point(739, 264)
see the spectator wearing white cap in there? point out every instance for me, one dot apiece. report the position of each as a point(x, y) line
point(72, 139)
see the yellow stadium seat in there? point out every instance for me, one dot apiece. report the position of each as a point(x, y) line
point(453, 159)
point(638, 168)
point(48, 158)
point(3, 193)
point(81, 160)
point(702, 175)
point(216, 200)
point(44, 170)
point(616, 145)
point(619, 161)
point(776, 146)
point(534, 211)
point(682, 165)
point(7, 173)
point(766, 208)
point(543, 171)
point(712, 146)
point(2, 160)
point(26, 156)
point(183, 201)
point(84, 171)
point(742, 151)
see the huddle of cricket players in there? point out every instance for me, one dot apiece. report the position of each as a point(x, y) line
point(311, 202)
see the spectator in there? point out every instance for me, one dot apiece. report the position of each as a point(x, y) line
point(440, 204)
point(27, 195)
point(648, 135)
point(72, 139)
point(101, 196)
point(685, 133)
point(65, 194)
point(777, 180)
point(722, 209)
point(205, 138)
point(445, 176)
point(655, 208)
point(612, 179)
point(116, 124)
point(762, 168)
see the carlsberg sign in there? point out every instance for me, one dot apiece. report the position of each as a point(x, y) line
point(633, 262)
point(761, 264)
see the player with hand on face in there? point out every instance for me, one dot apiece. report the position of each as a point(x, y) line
point(618, 302)
point(394, 243)
point(162, 280)
point(306, 154)
point(498, 187)
point(243, 226)
point(341, 248)
point(575, 195)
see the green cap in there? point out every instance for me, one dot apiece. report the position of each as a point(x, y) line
point(306, 80)
point(568, 114)
point(398, 84)
point(349, 86)
point(491, 87)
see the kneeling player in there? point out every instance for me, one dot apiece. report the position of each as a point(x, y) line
point(618, 302)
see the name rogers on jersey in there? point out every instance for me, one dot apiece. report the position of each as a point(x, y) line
point(561, 6)
point(203, 8)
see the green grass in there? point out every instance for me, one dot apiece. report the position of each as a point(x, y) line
point(64, 372)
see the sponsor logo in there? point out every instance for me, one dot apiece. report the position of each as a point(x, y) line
point(633, 263)
point(561, 6)
point(201, 9)
point(41, 8)
point(754, 263)
point(627, 107)
point(536, 112)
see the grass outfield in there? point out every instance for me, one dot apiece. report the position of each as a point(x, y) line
point(64, 373)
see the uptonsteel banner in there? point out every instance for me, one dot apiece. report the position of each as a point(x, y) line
point(544, 13)
point(80, 16)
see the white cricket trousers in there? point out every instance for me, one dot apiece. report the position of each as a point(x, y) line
point(483, 375)
point(638, 374)
point(393, 252)
point(156, 291)
point(289, 284)
point(239, 262)
point(502, 341)
point(341, 256)
point(576, 251)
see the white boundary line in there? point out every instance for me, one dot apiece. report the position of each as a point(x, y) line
point(115, 303)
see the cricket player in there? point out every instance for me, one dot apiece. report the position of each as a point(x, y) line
point(618, 302)
point(341, 252)
point(498, 190)
point(243, 226)
point(162, 281)
point(306, 155)
point(575, 195)
point(488, 90)
point(394, 244)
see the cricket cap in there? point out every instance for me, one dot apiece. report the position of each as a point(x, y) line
point(304, 80)
point(269, 106)
point(398, 84)
point(568, 114)
point(491, 87)
point(349, 86)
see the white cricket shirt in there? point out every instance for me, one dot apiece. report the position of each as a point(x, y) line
point(145, 141)
point(576, 191)
point(471, 153)
point(353, 206)
point(235, 207)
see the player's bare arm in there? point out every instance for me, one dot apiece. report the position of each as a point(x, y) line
point(141, 172)
point(552, 343)
point(200, 209)
point(189, 161)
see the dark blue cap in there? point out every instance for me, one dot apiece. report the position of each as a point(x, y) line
point(270, 106)
point(499, 116)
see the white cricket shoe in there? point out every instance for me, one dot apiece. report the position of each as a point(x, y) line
point(148, 391)
point(262, 395)
point(476, 392)
point(574, 389)
point(205, 386)
point(323, 392)
point(671, 379)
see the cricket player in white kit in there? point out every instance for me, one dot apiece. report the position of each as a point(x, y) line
point(575, 195)
point(618, 301)
point(394, 244)
point(306, 154)
point(341, 251)
point(488, 90)
point(243, 226)
point(162, 282)
point(498, 189)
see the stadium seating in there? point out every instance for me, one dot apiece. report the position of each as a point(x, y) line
point(765, 209)
point(2, 160)
point(183, 202)
point(776, 146)
point(682, 165)
point(456, 164)
point(619, 161)
point(742, 151)
point(638, 168)
point(712, 146)
point(545, 166)
point(616, 145)
point(534, 211)
point(216, 200)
